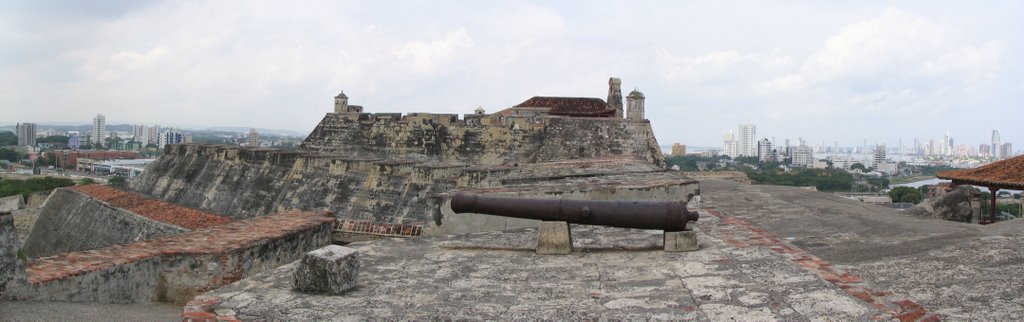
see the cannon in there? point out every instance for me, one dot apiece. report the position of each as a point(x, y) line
point(670, 216)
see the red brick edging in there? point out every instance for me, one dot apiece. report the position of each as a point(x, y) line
point(741, 234)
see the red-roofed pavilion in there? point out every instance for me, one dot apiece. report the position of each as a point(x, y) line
point(1005, 174)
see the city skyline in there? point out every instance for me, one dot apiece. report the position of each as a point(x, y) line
point(876, 71)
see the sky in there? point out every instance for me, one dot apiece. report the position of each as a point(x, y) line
point(826, 71)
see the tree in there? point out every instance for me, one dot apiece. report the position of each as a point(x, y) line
point(85, 181)
point(117, 181)
point(748, 160)
point(906, 194)
point(8, 138)
point(53, 139)
point(880, 183)
point(8, 154)
point(860, 166)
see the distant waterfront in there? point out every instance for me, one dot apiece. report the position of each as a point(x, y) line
point(932, 181)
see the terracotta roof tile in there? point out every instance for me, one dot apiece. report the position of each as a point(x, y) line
point(1007, 173)
point(570, 106)
point(153, 209)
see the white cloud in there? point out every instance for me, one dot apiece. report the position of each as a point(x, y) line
point(426, 56)
point(718, 65)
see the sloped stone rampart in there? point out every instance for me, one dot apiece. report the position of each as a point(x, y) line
point(174, 269)
point(74, 221)
point(12, 273)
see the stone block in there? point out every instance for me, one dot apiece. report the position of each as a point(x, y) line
point(681, 241)
point(332, 270)
point(554, 238)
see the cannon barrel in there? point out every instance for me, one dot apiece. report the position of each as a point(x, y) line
point(664, 215)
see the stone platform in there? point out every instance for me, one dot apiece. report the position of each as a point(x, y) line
point(613, 274)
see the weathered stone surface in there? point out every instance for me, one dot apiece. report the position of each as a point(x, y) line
point(615, 274)
point(176, 268)
point(954, 205)
point(332, 270)
point(554, 238)
point(72, 221)
point(681, 241)
point(245, 183)
point(12, 273)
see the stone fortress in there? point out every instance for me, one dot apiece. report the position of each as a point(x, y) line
point(373, 175)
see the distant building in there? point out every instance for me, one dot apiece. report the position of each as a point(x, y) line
point(99, 129)
point(341, 105)
point(803, 156)
point(1006, 151)
point(984, 150)
point(154, 135)
point(879, 155)
point(729, 145)
point(746, 144)
point(678, 150)
point(26, 134)
point(764, 150)
point(141, 134)
point(170, 137)
point(254, 138)
point(74, 142)
point(996, 145)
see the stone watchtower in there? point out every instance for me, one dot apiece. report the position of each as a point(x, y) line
point(635, 103)
point(615, 95)
point(341, 105)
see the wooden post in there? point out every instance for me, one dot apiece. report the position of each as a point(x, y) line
point(992, 205)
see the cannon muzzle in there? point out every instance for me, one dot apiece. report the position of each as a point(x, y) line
point(664, 215)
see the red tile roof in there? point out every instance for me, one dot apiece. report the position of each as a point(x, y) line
point(153, 209)
point(1007, 174)
point(570, 106)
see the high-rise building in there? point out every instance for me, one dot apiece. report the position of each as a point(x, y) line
point(1006, 151)
point(254, 139)
point(99, 129)
point(746, 144)
point(764, 150)
point(26, 134)
point(140, 133)
point(803, 156)
point(996, 144)
point(154, 135)
point(985, 150)
point(729, 144)
point(879, 155)
point(678, 150)
point(170, 137)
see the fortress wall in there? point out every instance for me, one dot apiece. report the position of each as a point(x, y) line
point(514, 140)
point(73, 221)
point(175, 269)
point(12, 273)
point(255, 184)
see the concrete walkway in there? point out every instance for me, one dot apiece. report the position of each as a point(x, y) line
point(77, 311)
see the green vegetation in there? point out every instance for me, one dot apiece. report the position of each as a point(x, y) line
point(906, 194)
point(85, 181)
point(53, 139)
point(117, 181)
point(858, 166)
point(8, 138)
point(910, 179)
point(694, 163)
point(822, 179)
point(931, 170)
point(21, 255)
point(10, 187)
point(8, 154)
point(1011, 208)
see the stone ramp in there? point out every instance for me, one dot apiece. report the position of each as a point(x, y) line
point(920, 267)
point(614, 274)
point(173, 269)
point(96, 216)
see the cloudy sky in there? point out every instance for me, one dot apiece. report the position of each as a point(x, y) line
point(823, 70)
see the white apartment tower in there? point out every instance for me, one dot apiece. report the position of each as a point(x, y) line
point(746, 144)
point(803, 156)
point(879, 155)
point(729, 144)
point(99, 129)
point(996, 144)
